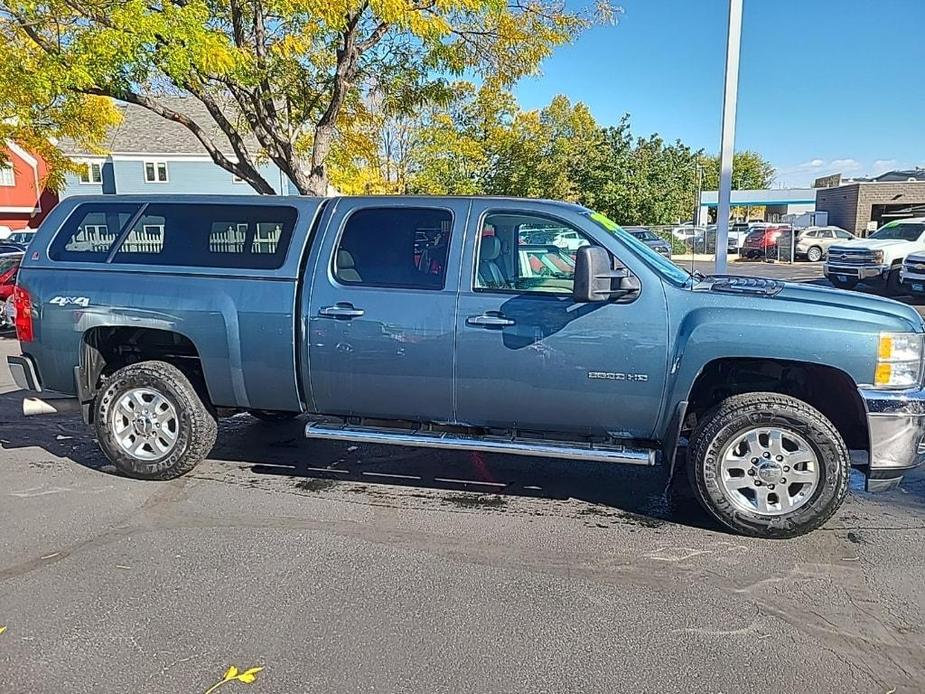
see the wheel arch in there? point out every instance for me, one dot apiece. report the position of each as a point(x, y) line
point(105, 349)
point(826, 388)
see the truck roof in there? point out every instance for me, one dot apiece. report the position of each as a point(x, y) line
point(297, 199)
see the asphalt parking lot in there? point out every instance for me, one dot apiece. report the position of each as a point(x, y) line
point(341, 568)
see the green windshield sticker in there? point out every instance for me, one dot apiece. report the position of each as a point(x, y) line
point(892, 224)
point(604, 221)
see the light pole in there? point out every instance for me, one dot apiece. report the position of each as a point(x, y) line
point(727, 149)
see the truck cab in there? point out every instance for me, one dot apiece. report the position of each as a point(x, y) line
point(459, 323)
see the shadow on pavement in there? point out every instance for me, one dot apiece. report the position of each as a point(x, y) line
point(281, 451)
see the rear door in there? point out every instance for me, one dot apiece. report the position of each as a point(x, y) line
point(380, 317)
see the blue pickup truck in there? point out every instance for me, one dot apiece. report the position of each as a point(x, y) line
point(449, 323)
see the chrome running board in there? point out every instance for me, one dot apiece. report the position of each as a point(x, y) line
point(543, 448)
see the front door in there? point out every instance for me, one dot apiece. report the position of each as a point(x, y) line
point(529, 357)
point(381, 317)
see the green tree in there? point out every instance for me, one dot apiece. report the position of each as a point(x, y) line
point(750, 171)
point(35, 115)
point(282, 80)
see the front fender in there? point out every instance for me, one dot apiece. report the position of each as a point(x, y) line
point(708, 334)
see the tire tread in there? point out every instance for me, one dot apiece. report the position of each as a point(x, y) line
point(819, 427)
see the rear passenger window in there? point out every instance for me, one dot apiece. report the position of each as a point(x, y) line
point(88, 234)
point(394, 247)
point(233, 236)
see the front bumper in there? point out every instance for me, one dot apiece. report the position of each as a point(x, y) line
point(857, 272)
point(896, 426)
point(912, 281)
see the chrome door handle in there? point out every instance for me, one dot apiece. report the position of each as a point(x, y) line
point(341, 311)
point(487, 320)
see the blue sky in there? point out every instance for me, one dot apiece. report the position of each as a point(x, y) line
point(825, 85)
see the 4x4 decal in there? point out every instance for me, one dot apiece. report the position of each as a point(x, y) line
point(83, 301)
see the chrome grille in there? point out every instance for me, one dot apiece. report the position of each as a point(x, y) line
point(851, 256)
point(914, 264)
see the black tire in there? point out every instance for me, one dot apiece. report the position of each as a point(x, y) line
point(842, 284)
point(273, 416)
point(814, 254)
point(893, 286)
point(737, 414)
point(196, 426)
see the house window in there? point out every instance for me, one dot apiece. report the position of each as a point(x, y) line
point(7, 177)
point(91, 172)
point(155, 172)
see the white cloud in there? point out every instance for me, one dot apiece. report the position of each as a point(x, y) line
point(846, 165)
point(884, 165)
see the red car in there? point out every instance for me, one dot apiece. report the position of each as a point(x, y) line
point(9, 266)
point(763, 242)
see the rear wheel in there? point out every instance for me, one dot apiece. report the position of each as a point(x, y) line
point(842, 284)
point(151, 422)
point(814, 254)
point(768, 465)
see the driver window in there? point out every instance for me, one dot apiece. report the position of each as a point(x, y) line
point(527, 253)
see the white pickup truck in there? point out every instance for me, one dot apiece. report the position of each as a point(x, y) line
point(877, 259)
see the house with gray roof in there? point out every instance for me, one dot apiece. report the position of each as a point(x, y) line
point(150, 154)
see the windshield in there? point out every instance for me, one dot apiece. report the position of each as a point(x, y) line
point(899, 231)
point(657, 261)
point(644, 235)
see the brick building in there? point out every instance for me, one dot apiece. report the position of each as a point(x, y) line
point(860, 206)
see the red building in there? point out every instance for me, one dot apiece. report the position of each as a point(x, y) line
point(24, 201)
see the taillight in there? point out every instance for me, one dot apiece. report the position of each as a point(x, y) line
point(22, 304)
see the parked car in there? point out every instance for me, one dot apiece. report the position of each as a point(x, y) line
point(685, 233)
point(7, 314)
point(876, 260)
point(422, 322)
point(657, 244)
point(705, 240)
point(22, 237)
point(568, 240)
point(813, 242)
point(767, 242)
point(9, 266)
point(912, 274)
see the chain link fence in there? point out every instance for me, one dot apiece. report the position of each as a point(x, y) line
point(767, 242)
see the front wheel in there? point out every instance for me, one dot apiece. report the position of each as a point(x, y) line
point(151, 423)
point(768, 465)
point(893, 286)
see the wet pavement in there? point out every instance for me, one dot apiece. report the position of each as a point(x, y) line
point(342, 568)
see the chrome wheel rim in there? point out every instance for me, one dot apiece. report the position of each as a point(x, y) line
point(769, 471)
point(145, 424)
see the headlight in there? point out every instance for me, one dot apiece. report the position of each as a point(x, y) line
point(899, 360)
point(878, 256)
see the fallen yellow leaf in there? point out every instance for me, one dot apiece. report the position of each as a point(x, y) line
point(249, 676)
point(2, 629)
point(232, 673)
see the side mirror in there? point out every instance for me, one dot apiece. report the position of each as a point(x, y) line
point(595, 278)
